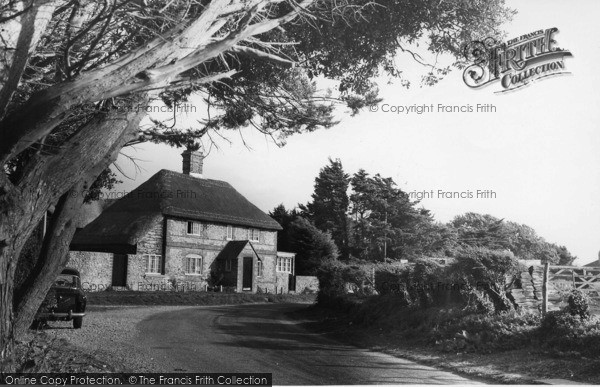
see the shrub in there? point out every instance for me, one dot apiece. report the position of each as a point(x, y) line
point(563, 332)
point(578, 304)
point(559, 323)
point(337, 278)
point(485, 333)
point(389, 278)
point(418, 284)
point(489, 274)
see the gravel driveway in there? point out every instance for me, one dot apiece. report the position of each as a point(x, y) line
point(111, 335)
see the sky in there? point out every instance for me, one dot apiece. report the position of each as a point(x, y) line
point(539, 151)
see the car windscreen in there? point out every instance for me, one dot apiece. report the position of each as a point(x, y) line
point(66, 281)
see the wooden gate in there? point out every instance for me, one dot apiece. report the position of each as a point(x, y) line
point(561, 280)
point(585, 279)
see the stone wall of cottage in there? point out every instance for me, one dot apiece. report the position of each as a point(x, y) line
point(267, 282)
point(95, 269)
point(151, 244)
point(210, 239)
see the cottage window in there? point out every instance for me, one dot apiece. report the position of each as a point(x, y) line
point(253, 234)
point(229, 233)
point(228, 264)
point(284, 264)
point(259, 268)
point(152, 263)
point(193, 264)
point(193, 228)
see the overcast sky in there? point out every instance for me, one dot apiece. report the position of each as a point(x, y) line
point(539, 152)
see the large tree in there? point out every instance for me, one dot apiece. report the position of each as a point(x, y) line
point(387, 224)
point(285, 219)
point(72, 73)
point(312, 246)
point(329, 204)
point(487, 231)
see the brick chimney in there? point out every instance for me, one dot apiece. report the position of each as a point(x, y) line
point(192, 163)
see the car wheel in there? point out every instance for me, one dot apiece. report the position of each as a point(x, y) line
point(77, 322)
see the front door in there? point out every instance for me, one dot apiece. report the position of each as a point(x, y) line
point(247, 274)
point(119, 272)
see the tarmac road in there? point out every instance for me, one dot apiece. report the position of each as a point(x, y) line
point(260, 338)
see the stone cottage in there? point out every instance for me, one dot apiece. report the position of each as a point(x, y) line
point(182, 231)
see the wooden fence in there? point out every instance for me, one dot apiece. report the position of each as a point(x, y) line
point(547, 287)
point(559, 281)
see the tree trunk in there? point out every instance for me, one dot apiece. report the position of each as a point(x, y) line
point(22, 207)
point(54, 255)
point(52, 259)
point(6, 315)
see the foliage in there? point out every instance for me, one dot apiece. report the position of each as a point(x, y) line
point(423, 279)
point(562, 331)
point(424, 316)
point(376, 30)
point(489, 275)
point(312, 246)
point(336, 279)
point(476, 230)
point(106, 180)
point(285, 219)
point(477, 279)
point(565, 258)
point(450, 328)
point(578, 304)
point(387, 224)
point(327, 210)
point(559, 323)
point(476, 332)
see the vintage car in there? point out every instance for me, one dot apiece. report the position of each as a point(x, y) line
point(65, 301)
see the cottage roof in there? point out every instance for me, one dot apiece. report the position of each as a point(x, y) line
point(171, 194)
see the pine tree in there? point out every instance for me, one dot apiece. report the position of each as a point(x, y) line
point(329, 204)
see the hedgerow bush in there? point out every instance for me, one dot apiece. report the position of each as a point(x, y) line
point(481, 319)
point(390, 279)
point(421, 284)
point(489, 275)
point(571, 330)
point(337, 278)
point(450, 328)
point(478, 279)
point(563, 332)
point(487, 333)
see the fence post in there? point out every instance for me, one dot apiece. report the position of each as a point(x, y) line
point(373, 277)
point(545, 289)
